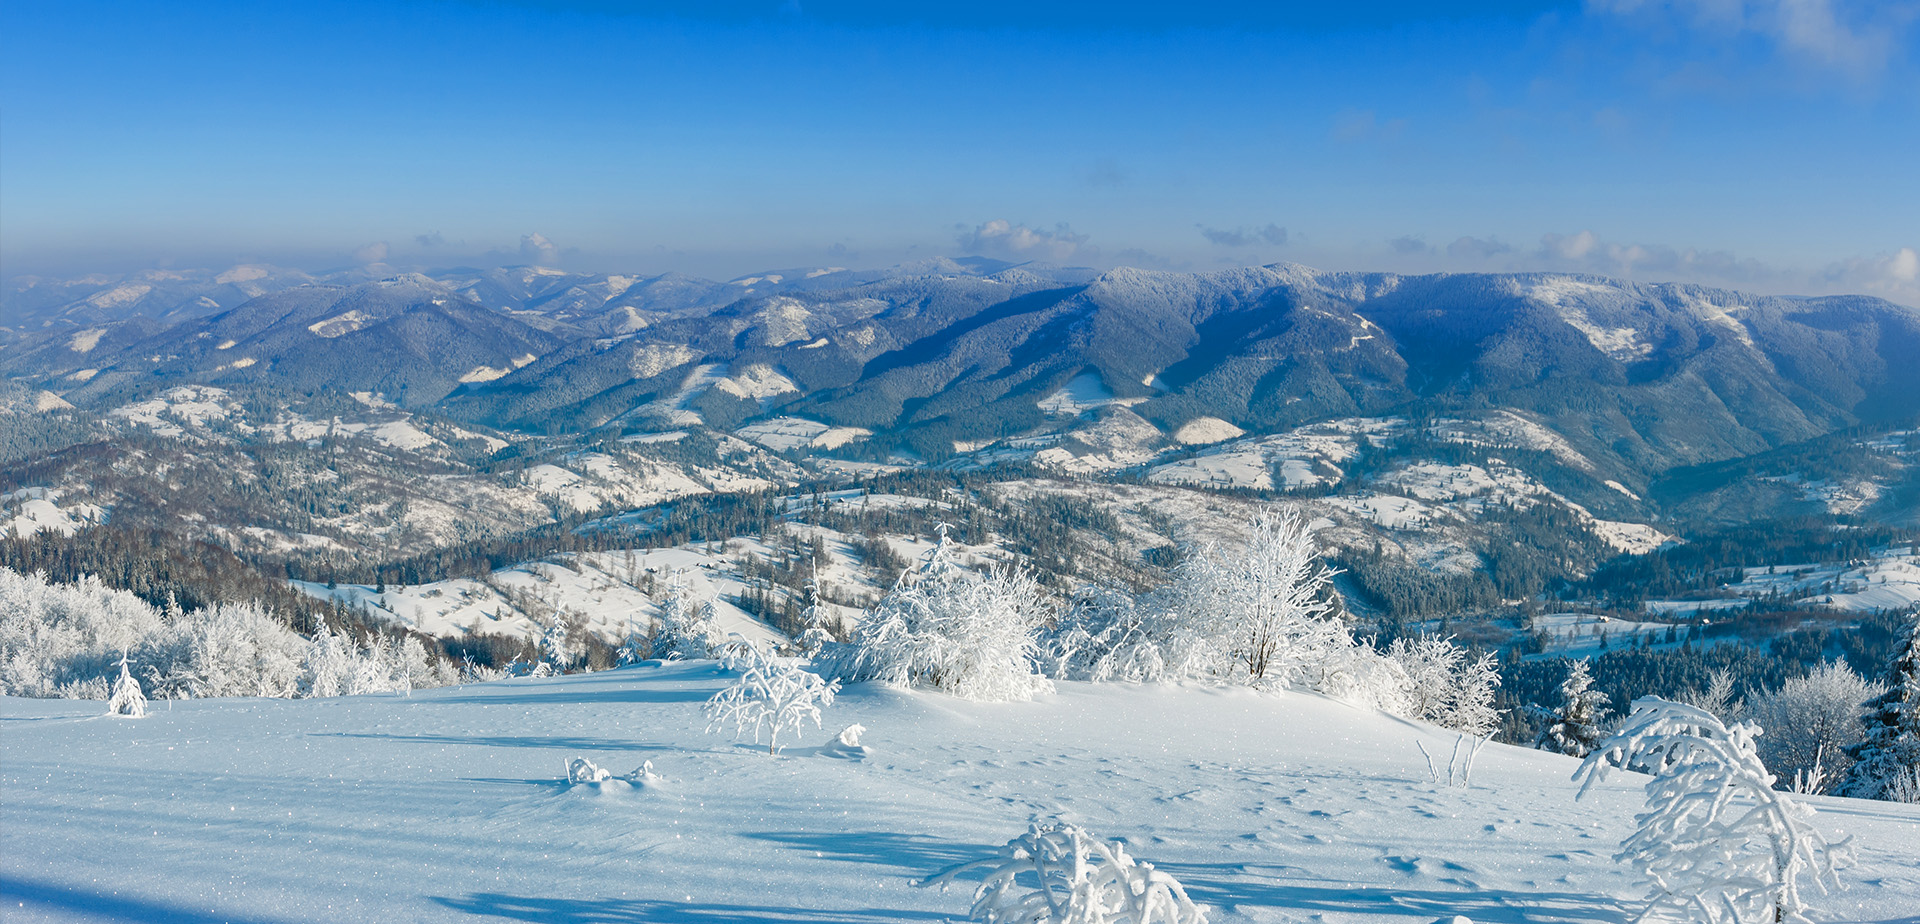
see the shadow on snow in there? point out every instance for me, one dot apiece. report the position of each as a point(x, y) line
point(643, 911)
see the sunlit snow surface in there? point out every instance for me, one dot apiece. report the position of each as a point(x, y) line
point(450, 806)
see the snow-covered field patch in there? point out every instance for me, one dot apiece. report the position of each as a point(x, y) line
point(783, 433)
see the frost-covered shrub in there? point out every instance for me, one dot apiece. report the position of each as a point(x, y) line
point(227, 650)
point(1575, 730)
point(773, 696)
point(1444, 687)
point(1809, 721)
point(54, 634)
point(1265, 615)
point(1058, 874)
point(970, 634)
point(1717, 843)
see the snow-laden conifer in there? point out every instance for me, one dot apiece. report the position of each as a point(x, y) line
point(972, 634)
point(1059, 874)
point(127, 700)
point(688, 628)
point(635, 646)
point(1890, 754)
point(773, 697)
point(1575, 730)
point(1717, 843)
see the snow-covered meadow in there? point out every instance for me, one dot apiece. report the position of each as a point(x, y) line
point(450, 804)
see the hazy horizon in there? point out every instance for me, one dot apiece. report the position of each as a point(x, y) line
point(1751, 144)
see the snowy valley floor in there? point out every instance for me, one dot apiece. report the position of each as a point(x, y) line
point(450, 806)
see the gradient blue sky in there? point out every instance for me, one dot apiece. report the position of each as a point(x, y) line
point(1767, 144)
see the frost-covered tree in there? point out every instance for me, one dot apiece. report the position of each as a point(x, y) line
point(1716, 697)
point(1267, 612)
point(774, 696)
point(1890, 754)
point(1444, 686)
point(688, 628)
point(127, 699)
point(1809, 722)
point(972, 634)
point(1717, 843)
point(1059, 874)
point(1575, 729)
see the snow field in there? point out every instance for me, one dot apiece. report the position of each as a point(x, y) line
point(1577, 635)
point(451, 805)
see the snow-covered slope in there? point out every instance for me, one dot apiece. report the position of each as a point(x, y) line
point(450, 806)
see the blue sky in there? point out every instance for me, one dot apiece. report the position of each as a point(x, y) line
point(1766, 144)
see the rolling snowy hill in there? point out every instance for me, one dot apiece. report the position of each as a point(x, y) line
point(451, 805)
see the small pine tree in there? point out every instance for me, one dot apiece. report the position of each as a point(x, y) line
point(1891, 751)
point(1717, 843)
point(127, 700)
point(1576, 728)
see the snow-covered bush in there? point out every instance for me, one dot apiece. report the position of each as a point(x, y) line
point(687, 625)
point(1891, 752)
point(1575, 730)
point(127, 699)
point(1809, 721)
point(1717, 843)
point(1058, 874)
point(967, 633)
point(773, 696)
point(1444, 687)
point(63, 639)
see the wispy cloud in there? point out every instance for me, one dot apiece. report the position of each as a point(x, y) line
point(1006, 240)
point(1893, 274)
point(1475, 248)
point(1272, 236)
point(1857, 37)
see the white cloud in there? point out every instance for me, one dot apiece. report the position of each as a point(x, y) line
point(375, 252)
point(1003, 239)
point(537, 250)
point(1893, 276)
